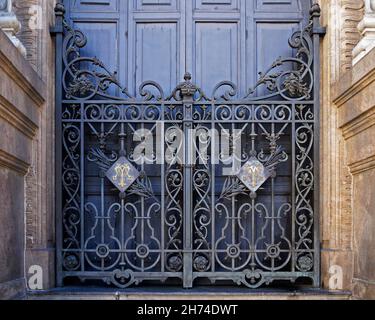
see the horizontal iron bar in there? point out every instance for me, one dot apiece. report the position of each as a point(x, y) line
point(180, 103)
point(152, 275)
point(225, 275)
point(186, 251)
point(208, 122)
point(212, 275)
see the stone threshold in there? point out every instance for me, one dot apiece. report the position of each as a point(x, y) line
point(199, 293)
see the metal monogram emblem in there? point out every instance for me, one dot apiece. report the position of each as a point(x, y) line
point(122, 174)
point(253, 174)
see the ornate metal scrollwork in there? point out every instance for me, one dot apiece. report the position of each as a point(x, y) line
point(279, 80)
point(124, 221)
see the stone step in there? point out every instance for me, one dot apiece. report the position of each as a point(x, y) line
point(194, 294)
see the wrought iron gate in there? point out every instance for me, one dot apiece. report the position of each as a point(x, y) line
point(126, 221)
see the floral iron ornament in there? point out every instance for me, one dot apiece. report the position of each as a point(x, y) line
point(279, 80)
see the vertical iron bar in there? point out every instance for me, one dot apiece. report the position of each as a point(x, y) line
point(102, 195)
point(122, 137)
point(273, 203)
point(317, 33)
point(214, 146)
point(58, 32)
point(162, 183)
point(253, 135)
point(143, 229)
point(294, 202)
point(234, 199)
point(188, 192)
point(82, 170)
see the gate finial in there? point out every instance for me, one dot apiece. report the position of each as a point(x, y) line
point(315, 11)
point(60, 9)
point(188, 89)
point(187, 76)
point(315, 14)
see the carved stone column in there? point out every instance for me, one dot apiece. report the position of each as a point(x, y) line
point(10, 25)
point(33, 17)
point(367, 29)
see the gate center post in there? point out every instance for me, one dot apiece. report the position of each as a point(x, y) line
point(188, 91)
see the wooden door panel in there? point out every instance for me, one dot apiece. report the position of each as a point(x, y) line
point(216, 54)
point(271, 43)
point(105, 23)
point(95, 6)
point(156, 5)
point(279, 5)
point(210, 5)
point(156, 43)
point(255, 37)
point(215, 49)
point(105, 47)
point(269, 25)
point(157, 54)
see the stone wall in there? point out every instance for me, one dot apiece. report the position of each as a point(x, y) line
point(355, 100)
point(40, 215)
point(22, 97)
point(340, 17)
point(348, 150)
point(27, 150)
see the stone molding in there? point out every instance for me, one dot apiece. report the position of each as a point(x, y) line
point(17, 119)
point(358, 120)
point(344, 211)
point(351, 14)
point(363, 166)
point(29, 12)
point(21, 72)
point(31, 220)
point(367, 29)
point(15, 289)
point(13, 163)
point(363, 288)
point(349, 87)
point(359, 124)
point(10, 24)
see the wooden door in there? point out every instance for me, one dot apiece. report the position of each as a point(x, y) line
point(214, 40)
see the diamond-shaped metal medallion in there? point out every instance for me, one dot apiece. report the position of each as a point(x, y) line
point(122, 174)
point(254, 174)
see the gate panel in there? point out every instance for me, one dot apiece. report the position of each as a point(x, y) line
point(228, 189)
point(256, 224)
